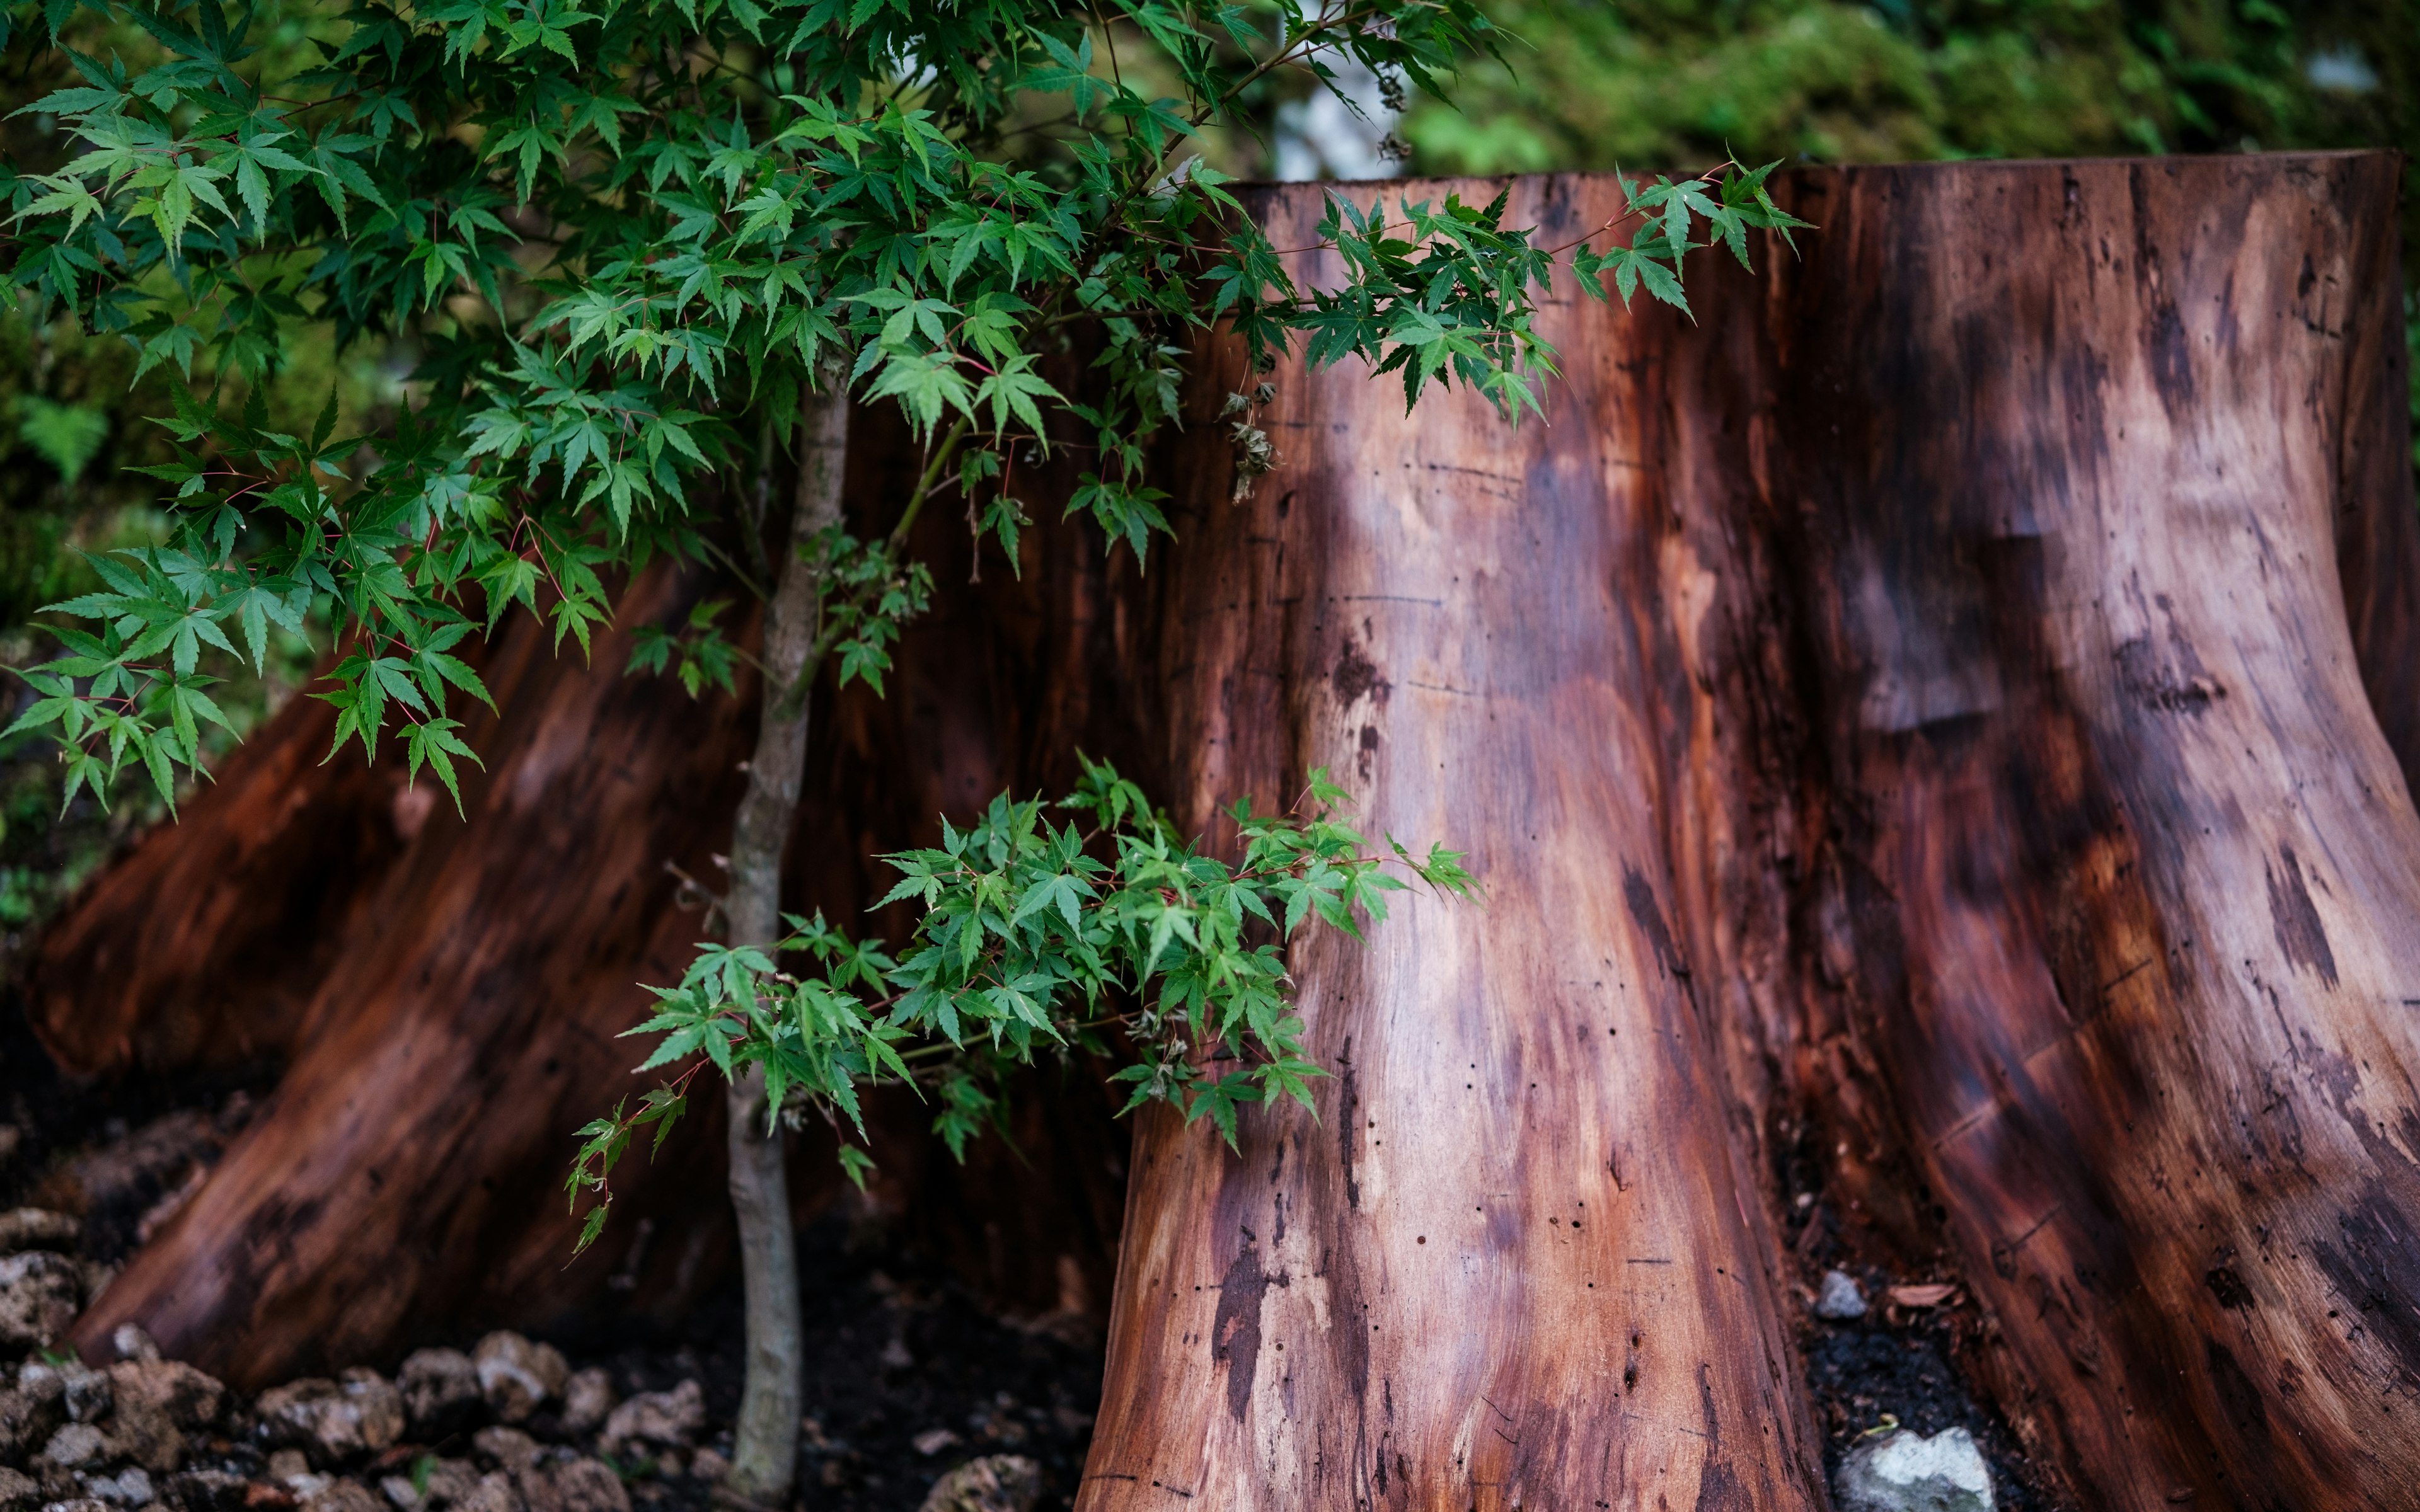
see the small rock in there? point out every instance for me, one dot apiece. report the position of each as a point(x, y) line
point(10, 1137)
point(586, 1484)
point(77, 1503)
point(441, 1392)
point(78, 1444)
point(537, 1484)
point(131, 1343)
point(127, 1488)
point(18, 1491)
point(710, 1467)
point(668, 1419)
point(1841, 1299)
point(995, 1483)
point(432, 1484)
point(450, 1482)
point(357, 1413)
point(933, 1440)
point(87, 1393)
point(40, 1228)
point(286, 1466)
point(335, 1493)
point(28, 1418)
point(158, 1400)
point(1905, 1472)
point(41, 1295)
point(588, 1400)
point(510, 1449)
point(516, 1375)
point(444, 1484)
point(493, 1493)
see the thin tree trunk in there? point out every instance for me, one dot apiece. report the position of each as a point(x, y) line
point(764, 1455)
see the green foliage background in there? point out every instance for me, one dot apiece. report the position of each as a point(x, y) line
point(1589, 84)
point(1669, 82)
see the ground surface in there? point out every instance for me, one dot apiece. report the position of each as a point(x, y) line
point(905, 1375)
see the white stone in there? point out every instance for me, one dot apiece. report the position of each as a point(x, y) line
point(75, 1444)
point(1904, 1472)
point(129, 1487)
point(1840, 1298)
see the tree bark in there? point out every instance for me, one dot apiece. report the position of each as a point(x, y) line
point(766, 1450)
point(205, 953)
point(496, 959)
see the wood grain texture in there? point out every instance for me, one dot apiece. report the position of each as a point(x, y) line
point(1936, 718)
point(202, 945)
point(1945, 654)
point(2064, 456)
point(1514, 1260)
point(462, 1019)
point(407, 1164)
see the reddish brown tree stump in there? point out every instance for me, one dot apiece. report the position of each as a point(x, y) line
point(1921, 697)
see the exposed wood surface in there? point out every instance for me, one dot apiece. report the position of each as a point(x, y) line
point(1514, 1260)
point(1947, 649)
point(403, 1183)
point(407, 1166)
point(202, 947)
point(2130, 879)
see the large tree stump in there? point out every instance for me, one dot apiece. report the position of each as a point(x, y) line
point(1923, 696)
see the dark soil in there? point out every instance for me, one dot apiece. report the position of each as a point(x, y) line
point(896, 1353)
point(1894, 1363)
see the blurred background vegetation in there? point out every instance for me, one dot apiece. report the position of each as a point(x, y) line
point(1585, 83)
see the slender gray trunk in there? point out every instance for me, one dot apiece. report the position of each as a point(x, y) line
point(764, 1458)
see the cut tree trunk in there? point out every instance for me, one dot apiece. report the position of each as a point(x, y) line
point(1927, 693)
point(1515, 1259)
point(407, 1167)
point(2129, 879)
point(1916, 710)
